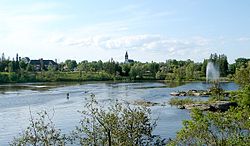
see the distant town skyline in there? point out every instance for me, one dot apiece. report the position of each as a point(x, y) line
point(149, 30)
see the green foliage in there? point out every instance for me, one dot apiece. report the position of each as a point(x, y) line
point(220, 61)
point(126, 69)
point(178, 101)
point(241, 62)
point(137, 71)
point(171, 70)
point(41, 131)
point(216, 92)
point(242, 75)
point(160, 75)
point(4, 77)
point(70, 64)
point(23, 65)
point(214, 128)
point(190, 71)
point(118, 124)
point(242, 97)
point(219, 128)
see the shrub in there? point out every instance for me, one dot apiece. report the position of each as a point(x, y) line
point(41, 131)
point(117, 125)
point(214, 128)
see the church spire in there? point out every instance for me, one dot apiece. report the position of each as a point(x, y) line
point(126, 56)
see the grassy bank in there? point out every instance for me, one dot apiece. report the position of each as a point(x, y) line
point(57, 76)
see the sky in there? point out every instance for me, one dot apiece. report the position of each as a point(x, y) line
point(150, 30)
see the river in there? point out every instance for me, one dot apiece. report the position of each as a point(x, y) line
point(17, 100)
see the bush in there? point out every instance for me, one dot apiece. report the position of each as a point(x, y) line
point(117, 125)
point(4, 77)
point(41, 131)
point(242, 97)
point(208, 128)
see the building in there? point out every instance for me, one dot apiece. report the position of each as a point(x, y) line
point(43, 64)
point(127, 60)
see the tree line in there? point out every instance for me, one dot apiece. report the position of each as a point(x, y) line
point(171, 70)
point(122, 124)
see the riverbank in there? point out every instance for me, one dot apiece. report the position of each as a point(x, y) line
point(57, 76)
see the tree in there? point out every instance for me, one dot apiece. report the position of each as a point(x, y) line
point(23, 65)
point(153, 68)
point(215, 128)
point(71, 64)
point(241, 62)
point(190, 71)
point(223, 64)
point(110, 67)
point(242, 75)
point(179, 74)
point(41, 131)
point(11, 66)
point(137, 71)
point(242, 97)
point(204, 67)
point(51, 68)
point(117, 125)
point(126, 69)
point(219, 128)
point(84, 66)
point(30, 67)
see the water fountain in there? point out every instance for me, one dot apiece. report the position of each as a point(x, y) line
point(213, 76)
point(212, 72)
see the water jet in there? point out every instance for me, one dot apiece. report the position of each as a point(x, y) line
point(212, 72)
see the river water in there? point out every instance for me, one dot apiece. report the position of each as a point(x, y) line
point(18, 100)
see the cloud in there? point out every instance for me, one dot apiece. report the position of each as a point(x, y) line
point(147, 43)
point(243, 39)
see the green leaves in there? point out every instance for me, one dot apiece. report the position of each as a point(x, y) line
point(118, 124)
point(209, 128)
point(242, 75)
point(41, 131)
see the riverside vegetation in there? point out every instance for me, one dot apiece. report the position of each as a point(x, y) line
point(102, 126)
point(70, 70)
point(119, 124)
point(231, 127)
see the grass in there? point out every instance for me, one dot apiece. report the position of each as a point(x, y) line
point(179, 102)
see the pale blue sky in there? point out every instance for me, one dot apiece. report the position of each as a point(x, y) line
point(148, 29)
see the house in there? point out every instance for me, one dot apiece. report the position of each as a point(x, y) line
point(128, 60)
point(43, 64)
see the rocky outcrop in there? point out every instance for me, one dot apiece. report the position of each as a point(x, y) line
point(203, 93)
point(203, 107)
point(216, 106)
point(223, 105)
point(147, 103)
point(191, 93)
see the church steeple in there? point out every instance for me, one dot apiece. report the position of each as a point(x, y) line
point(126, 56)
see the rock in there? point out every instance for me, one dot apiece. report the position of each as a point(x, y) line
point(174, 94)
point(217, 106)
point(223, 105)
point(181, 107)
point(182, 94)
point(145, 103)
point(202, 107)
point(197, 94)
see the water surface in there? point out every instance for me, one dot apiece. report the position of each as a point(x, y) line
point(17, 100)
